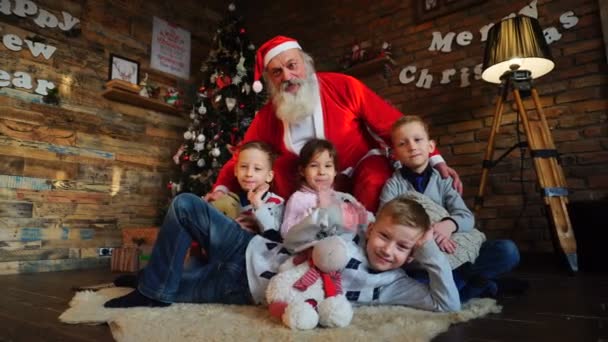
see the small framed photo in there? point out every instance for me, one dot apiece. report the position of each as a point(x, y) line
point(124, 69)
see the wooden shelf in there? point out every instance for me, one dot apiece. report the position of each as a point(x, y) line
point(115, 94)
point(375, 65)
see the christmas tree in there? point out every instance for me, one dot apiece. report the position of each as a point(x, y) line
point(224, 108)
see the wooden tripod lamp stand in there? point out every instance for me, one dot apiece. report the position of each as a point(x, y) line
point(516, 54)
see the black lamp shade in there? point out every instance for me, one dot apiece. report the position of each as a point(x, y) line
point(516, 43)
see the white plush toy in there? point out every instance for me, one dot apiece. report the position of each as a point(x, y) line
point(307, 290)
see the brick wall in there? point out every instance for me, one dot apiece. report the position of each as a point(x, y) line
point(73, 175)
point(574, 94)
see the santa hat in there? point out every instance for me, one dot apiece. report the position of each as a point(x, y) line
point(268, 51)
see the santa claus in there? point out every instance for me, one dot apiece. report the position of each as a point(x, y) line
point(306, 104)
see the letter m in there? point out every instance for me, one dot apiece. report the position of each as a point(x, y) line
point(442, 44)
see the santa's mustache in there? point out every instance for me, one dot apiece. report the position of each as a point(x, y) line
point(288, 83)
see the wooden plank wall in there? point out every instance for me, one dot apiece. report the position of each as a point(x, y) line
point(72, 176)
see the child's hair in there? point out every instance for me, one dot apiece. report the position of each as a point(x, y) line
point(314, 146)
point(261, 146)
point(404, 120)
point(406, 212)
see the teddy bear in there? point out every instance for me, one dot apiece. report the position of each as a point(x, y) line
point(229, 205)
point(307, 290)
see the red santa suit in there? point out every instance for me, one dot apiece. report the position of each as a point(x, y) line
point(346, 112)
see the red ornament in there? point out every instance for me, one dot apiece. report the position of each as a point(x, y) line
point(170, 186)
point(242, 31)
point(241, 106)
point(186, 157)
point(223, 81)
point(202, 89)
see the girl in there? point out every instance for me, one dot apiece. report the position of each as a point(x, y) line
point(317, 165)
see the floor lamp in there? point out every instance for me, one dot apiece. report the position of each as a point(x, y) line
point(516, 54)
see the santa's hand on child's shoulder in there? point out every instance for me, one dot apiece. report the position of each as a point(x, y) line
point(248, 223)
point(214, 195)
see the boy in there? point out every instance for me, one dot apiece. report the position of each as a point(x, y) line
point(221, 278)
point(374, 274)
point(411, 145)
point(241, 264)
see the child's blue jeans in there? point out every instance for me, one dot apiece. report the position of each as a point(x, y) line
point(221, 279)
point(496, 257)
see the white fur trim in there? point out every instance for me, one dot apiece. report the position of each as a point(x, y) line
point(436, 159)
point(257, 86)
point(278, 49)
point(222, 188)
point(317, 116)
point(373, 152)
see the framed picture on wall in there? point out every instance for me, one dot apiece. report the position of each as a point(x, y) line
point(429, 9)
point(124, 69)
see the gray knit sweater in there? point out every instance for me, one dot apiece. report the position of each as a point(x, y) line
point(439, 190)
point(360, 284)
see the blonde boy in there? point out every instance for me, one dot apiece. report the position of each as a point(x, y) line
point(411, 146)
point(374, 273)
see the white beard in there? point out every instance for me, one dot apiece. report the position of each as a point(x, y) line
point(293, 108)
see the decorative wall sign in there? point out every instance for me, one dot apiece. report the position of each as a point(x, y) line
point(170, 49)
point(428, 9)
point(124, 69)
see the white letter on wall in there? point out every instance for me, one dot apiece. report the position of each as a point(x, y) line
point(442, 44)
point(42, 87)
point(464, 78)
point(568, 19)
point(22, 80)
point(37, 48)
point(403, 75)
point(68, 21)
point(5, 7)
point(12, 42)
point(484, 31)
point(464, 38)
point(24, 8)
point(4, 78)
point(478, 70)
point(530, 10)
point(424, 81)
point(552, 34)
point(446, 74)
point(46, 19)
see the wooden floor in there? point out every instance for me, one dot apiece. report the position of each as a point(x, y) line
point(558, 307)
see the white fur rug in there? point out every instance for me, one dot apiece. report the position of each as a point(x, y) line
point(216, 322)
